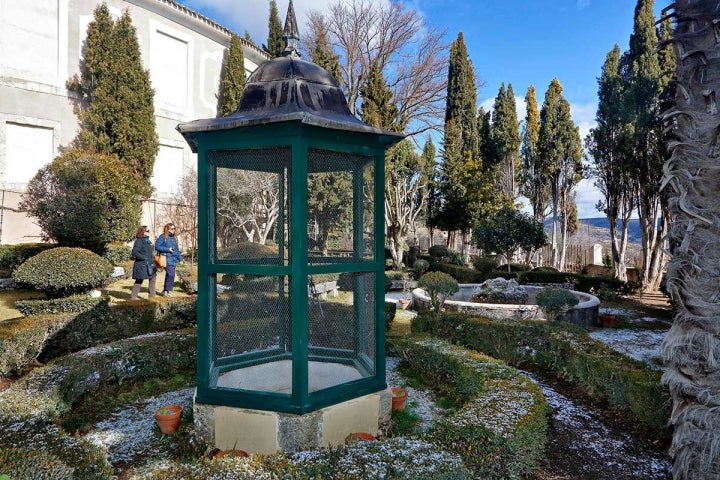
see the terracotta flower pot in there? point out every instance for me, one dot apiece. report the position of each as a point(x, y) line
point(168, 418)
point(399, 398)
point(404, 303)
point(359, 436)
point(231, 453)
point(607, 320)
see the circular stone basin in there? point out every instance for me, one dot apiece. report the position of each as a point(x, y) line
point(584, 313)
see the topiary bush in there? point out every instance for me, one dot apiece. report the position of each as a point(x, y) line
point(485, 264)
point(63, 271)
point(420, 266)
point(438, 286)
point(439, 251)
point(13, 255)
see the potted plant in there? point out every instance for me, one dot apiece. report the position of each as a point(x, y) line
point(607, 319)
point(168, 418)
point(399, 398)
point(359, 436)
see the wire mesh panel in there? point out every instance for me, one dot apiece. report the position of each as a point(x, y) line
point(252, 322)
point(340, 206)
point(250, 189)
point(343, 332)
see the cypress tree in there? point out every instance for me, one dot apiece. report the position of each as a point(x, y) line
point(608, 145)
point(233, 77)
point(649, 153)
point(323, 55)
point(378, 108)
point(506, 136)
point(561, 153)
point(462, 95)
point(117, 115)
point(533, 184)
point(485, 140)
point(275, 42)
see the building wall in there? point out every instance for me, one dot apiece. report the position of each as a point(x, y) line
point(40, 49)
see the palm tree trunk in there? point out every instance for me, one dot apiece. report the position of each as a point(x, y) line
point(691, 350)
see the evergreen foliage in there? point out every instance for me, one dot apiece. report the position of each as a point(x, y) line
point(323, 55)
point(508, 230)
point(506, 138)
point(85, 200)
point(378, 109)
point(64, 271)
point(275, 42)
point(116, 112)
point(532, 184)
point(561, 153)
point(234, 78)
point(462, 95)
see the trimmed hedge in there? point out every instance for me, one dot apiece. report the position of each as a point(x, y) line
point(500, 430)
point(44, 337)
point(13, 255)
point(64, 271)
point(74, 303)
point(30, 410)
point(567, 352)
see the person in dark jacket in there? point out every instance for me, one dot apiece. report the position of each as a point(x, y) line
point(166, 244)
point(144, 266)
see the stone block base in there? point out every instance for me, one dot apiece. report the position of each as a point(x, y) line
point(259, 431)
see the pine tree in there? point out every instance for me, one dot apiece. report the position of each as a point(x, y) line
point(117, 115)
point(506, 136)
point(323, 55)
point(233, 77)
point(275, 42)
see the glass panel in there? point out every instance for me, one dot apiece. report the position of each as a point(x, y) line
point(251, 205)
point(337, 202)
point(252, 325)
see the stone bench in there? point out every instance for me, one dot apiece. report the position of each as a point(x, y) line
point(322, 289)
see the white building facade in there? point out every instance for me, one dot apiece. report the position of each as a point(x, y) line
point(41, 44)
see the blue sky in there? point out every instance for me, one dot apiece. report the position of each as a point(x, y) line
point(521, 42)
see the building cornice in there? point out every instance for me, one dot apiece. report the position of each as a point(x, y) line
point(199, 23)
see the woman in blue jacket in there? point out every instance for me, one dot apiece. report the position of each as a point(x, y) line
point(167, 245)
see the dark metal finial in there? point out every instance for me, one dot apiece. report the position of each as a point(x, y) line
point(290, 33)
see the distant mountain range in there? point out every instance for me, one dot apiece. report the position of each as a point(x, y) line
point(597, 230)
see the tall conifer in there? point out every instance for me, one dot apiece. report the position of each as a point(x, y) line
point(117, 115)
point(275, 42)
point(323, 55)
point(533, 184)
point(378, 108)
point(462, 95)
point(233, 77)
point(506, 136)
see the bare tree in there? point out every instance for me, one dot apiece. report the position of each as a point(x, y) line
point(184, 212)
point(411, 55)
point(248, 201)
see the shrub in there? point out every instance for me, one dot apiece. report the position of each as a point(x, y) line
point(64, 271)
point(247, 250)
point(438, 286)
point(420, 266)
point(555, 301)
point(13, 255)
point(567, 352)
point(117, 253)
point(74, 303)
point(97, 195)
point(390, 311)
point(439, 251)
point(485, 264)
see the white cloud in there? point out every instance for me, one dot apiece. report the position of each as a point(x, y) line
point(583, 4)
